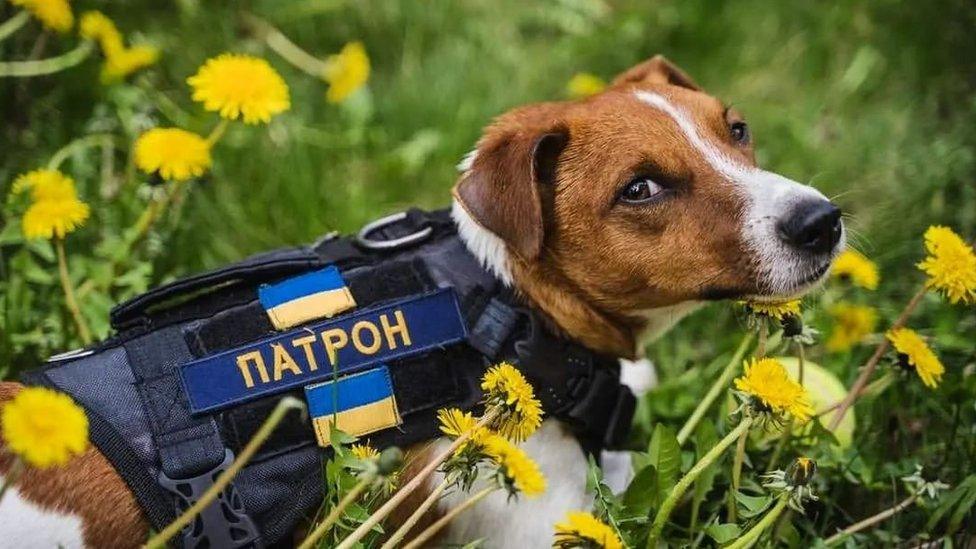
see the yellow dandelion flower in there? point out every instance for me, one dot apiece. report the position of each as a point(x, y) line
point(909, 344)
point(454, 422)
point(766, 379)
point(520, 472)
point(521, 412)
point(127, 61)
point(585, 530)
point(176, 154)
point(53, 14)
point(240, 86)
point(777, 311)
point(120, 61)
point(55, 209)
point(584, 84)
point(95, 25)
point(346, 72)
point(950, 265)
point(853, 266)
point(44, 185)
point(44, 427)
point(852, 323)
point(364, 452)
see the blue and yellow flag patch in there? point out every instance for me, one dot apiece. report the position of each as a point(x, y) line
point(307, 297)
point(358, 404)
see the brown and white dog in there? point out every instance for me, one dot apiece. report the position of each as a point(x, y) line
point(615, 216)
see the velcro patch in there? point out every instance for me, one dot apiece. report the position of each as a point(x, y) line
point(358, 404)
point(318, 351)
point(306, 297)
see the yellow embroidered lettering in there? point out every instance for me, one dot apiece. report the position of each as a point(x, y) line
point(245, 368)
point(357, 338)
point(306, 344)
point(390, 331)
point(283, 361)
point(334, 340)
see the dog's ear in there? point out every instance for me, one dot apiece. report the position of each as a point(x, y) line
point(501, 189)
point(656, 70)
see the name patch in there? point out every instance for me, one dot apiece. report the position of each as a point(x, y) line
point(318, 351)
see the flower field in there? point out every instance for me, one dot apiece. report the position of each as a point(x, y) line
point(143, 142)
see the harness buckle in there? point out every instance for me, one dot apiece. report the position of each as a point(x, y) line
point(224, 523)
point(365, 241)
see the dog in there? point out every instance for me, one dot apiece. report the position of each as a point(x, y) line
point(613, 216)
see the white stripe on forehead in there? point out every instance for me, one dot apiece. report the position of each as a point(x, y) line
point(769, 198)
point(720, 161)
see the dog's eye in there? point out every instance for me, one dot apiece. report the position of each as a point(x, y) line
point(640, 190)
point(740, 132)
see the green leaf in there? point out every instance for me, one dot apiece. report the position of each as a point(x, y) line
point(752, 505)
point(723, 533)
point(966, 502)
point(640, 494)
point(665, 454)
point(961, 498)
point(337, 437)
point(706, 437)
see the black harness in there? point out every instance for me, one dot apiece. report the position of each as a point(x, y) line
point(138, 410)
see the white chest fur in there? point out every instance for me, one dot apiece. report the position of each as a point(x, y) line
point(528, 522)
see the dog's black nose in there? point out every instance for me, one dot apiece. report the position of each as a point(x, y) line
point(812, 225)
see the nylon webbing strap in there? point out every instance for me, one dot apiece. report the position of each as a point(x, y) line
point(191, 451)
point(187, 446)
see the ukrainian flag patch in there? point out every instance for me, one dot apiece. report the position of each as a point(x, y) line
point(359, 404)
point(306, 297)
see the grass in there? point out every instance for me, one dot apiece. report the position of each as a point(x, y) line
point(873, 102)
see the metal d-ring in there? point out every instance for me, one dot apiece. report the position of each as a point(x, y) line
point(412, 238)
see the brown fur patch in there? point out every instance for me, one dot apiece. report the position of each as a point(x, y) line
point(417, 457)
point(87, 487)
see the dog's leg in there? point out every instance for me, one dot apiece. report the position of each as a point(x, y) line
point(81, 504)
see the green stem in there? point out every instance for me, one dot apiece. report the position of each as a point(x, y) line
point(715, 390)
point(14, 24)
point(872, 363)
point(763, 338)
point(285, 405)
point(740, 456)
point(218, 131)
point(433, 529)
point(81, 143)
point(47, 66)
point(336, 512)
point(682, 486)
point(407, 489)
point(69, 294)
point(415, 517)
point(872, 520)
point(288, 50)
point(751, 536)
point(153, 211)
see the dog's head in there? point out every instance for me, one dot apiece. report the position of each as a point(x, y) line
point(644, 196)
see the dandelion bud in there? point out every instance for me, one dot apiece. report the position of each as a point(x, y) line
point(390, 461)
point(801, 471)
point(792, 325)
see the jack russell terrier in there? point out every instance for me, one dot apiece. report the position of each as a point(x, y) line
point(612, 217)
